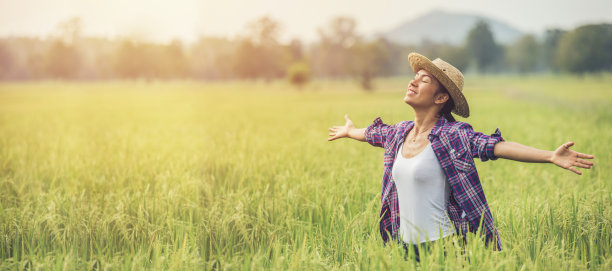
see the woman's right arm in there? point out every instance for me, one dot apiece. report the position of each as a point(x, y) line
point(348, 130)
point(376, 133)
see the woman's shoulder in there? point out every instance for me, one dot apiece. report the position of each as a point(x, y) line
point(379, 121)
point(453, 127)
point(405, 123)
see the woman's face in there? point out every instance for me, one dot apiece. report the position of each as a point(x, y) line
point(422, 90)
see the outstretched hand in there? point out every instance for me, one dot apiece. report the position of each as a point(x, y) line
point(341, 131)
point(566, 158)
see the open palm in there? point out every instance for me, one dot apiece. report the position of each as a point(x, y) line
point(566, 158)
point(341, 131)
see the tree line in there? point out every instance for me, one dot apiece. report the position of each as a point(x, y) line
point(340, 52)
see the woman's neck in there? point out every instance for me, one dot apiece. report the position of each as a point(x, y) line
point(424, 121)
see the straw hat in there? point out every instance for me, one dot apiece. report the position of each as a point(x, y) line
point(450, 77)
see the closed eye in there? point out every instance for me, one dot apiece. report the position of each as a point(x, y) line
point(425, 78)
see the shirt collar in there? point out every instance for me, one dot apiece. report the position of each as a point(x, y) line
point(438, 127)
point(435, 131)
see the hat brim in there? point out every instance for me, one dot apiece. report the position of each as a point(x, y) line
point(418, 62)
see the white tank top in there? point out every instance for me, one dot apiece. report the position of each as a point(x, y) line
point(423, 193)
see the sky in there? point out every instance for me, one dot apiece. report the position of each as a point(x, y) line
point(162, 21)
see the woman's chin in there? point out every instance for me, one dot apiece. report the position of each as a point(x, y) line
point(407, 100)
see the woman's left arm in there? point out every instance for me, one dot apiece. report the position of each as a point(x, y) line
point(562, 156)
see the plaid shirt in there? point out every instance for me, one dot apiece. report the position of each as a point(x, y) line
point(455, 145)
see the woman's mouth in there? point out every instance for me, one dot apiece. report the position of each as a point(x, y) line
point(411, 92)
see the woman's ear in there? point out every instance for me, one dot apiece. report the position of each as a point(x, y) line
point(441, 98)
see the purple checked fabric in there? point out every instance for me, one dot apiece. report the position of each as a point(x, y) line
point(455, 145)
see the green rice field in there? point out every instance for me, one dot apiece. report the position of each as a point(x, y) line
point(240, 176)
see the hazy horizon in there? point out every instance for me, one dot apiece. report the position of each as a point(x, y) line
point(189, 19)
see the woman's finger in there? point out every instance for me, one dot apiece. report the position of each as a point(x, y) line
point(332, 129)
point(587, 156)
point(582, 161)
point(568, 144)
point(574, 170)
point(332, 134)
point(578, 164)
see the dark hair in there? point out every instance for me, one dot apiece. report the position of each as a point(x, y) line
point(448, 106)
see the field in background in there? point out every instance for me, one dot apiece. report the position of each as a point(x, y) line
point(240, 175)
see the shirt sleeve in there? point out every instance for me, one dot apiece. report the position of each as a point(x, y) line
point(377, 133)
point(482, 145)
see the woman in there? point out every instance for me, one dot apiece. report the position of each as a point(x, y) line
point(430, 186)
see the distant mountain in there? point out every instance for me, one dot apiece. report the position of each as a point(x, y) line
point(442, 26)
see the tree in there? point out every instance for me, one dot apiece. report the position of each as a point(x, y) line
point(369, 59)
point(172, 60)
point(63, 59)
point(450, 53)
point(6, 61)
point(268, 54)
point(341, 32)
point(133, 60)
point(549, 47)
point(523, 55)
point(264, 31)
point(298, 73)
point(247, 60)
point(482, 48)
point(259, 54)
point(332, 56)
point(295, 49)
point(211, 58)
point(586, 49)
point(69, 31)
